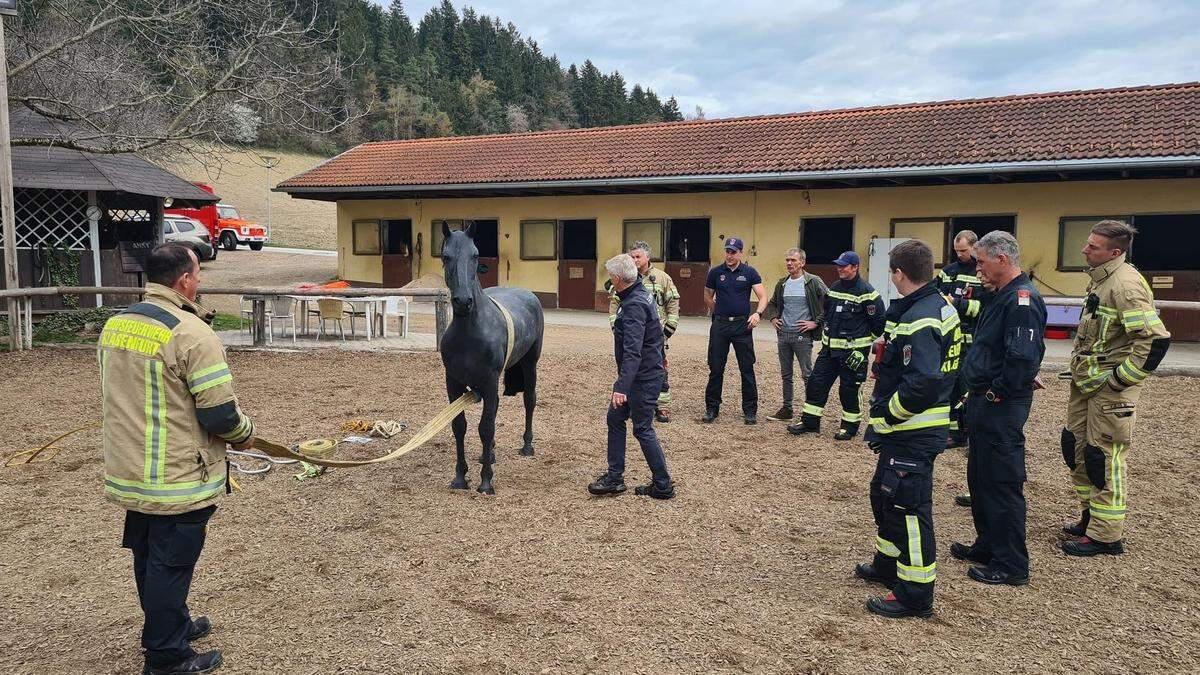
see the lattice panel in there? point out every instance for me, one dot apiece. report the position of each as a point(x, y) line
point(51, 218)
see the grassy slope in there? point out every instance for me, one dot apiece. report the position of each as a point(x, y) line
point(242, 181)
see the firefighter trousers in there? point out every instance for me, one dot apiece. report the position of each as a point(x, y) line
point(1095, 443)
point(902, 504)
point(996, 479)
point(831, 365)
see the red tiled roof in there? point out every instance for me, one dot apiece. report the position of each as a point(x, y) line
point(1151, 121)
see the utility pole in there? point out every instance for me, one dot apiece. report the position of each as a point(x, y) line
point(271, 163)
point(7, 212)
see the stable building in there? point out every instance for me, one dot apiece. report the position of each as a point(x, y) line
point(549, 207)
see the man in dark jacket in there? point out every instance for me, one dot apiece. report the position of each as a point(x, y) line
point(638, 347)
point(999, 374)
point(853, 319)
point(959, 282)
point(909, 422)
point(797, 310)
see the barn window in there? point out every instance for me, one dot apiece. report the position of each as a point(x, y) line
point(649, 231)
point(1072, 236)
point(435, 239)
point(932, 231)
point(824, 239)
point(539, 240)
point(366, 237)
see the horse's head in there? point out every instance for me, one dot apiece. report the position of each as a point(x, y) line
point(460, 263)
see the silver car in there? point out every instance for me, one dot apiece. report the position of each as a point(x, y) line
point(189, 232)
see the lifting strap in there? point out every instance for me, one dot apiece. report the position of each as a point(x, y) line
point(508, 324)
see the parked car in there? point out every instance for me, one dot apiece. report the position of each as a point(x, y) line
point(189, 232)
point(225, 226)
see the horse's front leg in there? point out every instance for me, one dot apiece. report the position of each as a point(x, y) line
point(487, 436)
point(454, 391)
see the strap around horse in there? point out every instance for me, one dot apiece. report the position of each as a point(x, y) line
point(508, 324)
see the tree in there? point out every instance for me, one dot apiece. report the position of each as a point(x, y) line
point(670, 111)
point(160, 76)
point(518, 121)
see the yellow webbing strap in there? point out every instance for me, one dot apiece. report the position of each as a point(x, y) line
point(427, 432)
point(508, 323)
point(28, 456)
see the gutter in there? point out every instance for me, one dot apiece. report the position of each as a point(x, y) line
point(837, 174)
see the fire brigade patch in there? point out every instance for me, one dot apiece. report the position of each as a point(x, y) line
point(871, 310)
point(1023, 298)
point(907, 354)
point(722, 277)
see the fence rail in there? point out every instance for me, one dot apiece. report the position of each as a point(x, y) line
point(22, 338)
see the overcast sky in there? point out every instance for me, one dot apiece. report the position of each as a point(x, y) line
point(748, 57)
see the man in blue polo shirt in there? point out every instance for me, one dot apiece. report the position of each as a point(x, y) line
point(727, 295)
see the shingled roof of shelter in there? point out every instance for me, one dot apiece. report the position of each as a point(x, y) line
point(1131, 122)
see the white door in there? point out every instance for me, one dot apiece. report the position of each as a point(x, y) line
point(878, 272)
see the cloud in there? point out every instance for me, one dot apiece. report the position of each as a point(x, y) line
point(767, 56)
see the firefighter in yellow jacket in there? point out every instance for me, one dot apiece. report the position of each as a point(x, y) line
point(1120, 341)
point(666, 299)
point(169, 411)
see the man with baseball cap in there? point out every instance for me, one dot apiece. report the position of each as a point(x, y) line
point(727, 295)
point(853, 320)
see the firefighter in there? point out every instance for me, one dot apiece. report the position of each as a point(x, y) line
point(959, 282)
point(168, 411)
point(853, 319)
point(1120, 341)
point(666, 298)
point(908, 425)
point(1000, 375)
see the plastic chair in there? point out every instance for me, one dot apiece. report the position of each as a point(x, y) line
point(355, 312)
point(397, 306)
point(331, 309)
point(282, 308)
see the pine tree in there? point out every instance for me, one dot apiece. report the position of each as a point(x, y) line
point(670, 111)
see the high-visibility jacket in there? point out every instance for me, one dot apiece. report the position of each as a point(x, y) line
point(666, 298)
point(853, 315)
point(1120, 339)
point(959, 281)
point(168, 406)
point(915, 377)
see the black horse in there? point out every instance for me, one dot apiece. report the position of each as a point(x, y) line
point(476, 344)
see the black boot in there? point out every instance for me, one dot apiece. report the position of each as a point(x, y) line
point(661, 415)
point(201, 627)
point(996, 577)
point(710, 416)
point(1079, 529)
point(196, 665)
point(969, 553)
point(963, 500)
point(1086, 547)
point(846, 432)
point(655, 492)
point(889, 607)
point(866, 572)
point(785, 413)
point(956, 439)
point(607, 484)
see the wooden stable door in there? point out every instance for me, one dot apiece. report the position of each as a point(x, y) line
point(397, 253)
point(487, 240)
point(689, 279)
point(577, 264)
point(1184, 324)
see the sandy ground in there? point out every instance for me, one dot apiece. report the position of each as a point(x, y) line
point(384, 569)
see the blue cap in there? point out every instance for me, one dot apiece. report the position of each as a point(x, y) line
point(733, 244)
point(847, 258)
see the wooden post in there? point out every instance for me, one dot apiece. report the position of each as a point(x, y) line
point(439, 312)
point(7, 212)
point(93, 215)
point(259, 322)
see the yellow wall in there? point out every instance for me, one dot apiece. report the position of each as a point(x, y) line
point(769, 220)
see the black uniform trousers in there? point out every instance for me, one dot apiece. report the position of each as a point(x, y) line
point(996, 479)
point(958, 417)
point(639, 407)
point(829, 366)
point(902, 503)
point(723, 333)
point(165, 550)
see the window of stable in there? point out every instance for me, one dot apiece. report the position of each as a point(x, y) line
point(682, 246)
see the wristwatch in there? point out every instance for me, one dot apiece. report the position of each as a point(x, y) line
point(991, 396)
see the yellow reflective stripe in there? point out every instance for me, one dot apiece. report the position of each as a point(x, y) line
point(1084, 492)
point(973, 307)
point(842, 343)
point(920, 575)
point(933, 417)
point(886, 547)
point(853, 298)
point(165, 493)
point(914, 541)
point(1118, 475)
point(1104, 512)
point(240, 430)
point(967, 278)
point(851, 417)
point(898, 411)
point(1104, 310)
point(810, 409)
point(208, 378)
point(1131, 373)
point(155, 460)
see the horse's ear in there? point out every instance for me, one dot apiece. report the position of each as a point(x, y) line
point(445, 230)
point(469, 228)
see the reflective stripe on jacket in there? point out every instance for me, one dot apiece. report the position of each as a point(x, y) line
point(1121, 339)
point(959, 281)
point(853, 315)
point(168, 406)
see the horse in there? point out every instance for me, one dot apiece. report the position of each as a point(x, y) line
point(477, 344)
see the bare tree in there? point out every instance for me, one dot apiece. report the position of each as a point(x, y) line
point(169, 76)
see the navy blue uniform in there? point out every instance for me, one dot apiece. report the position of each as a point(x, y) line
point(1004, 359)
point(960, 282)
point(731, 288)
point(909, 422)
point(638, 347)
point(853, 319)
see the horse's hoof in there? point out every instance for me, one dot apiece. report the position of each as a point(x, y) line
point(460, 484)
point(527, 452)
point(486, 489)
